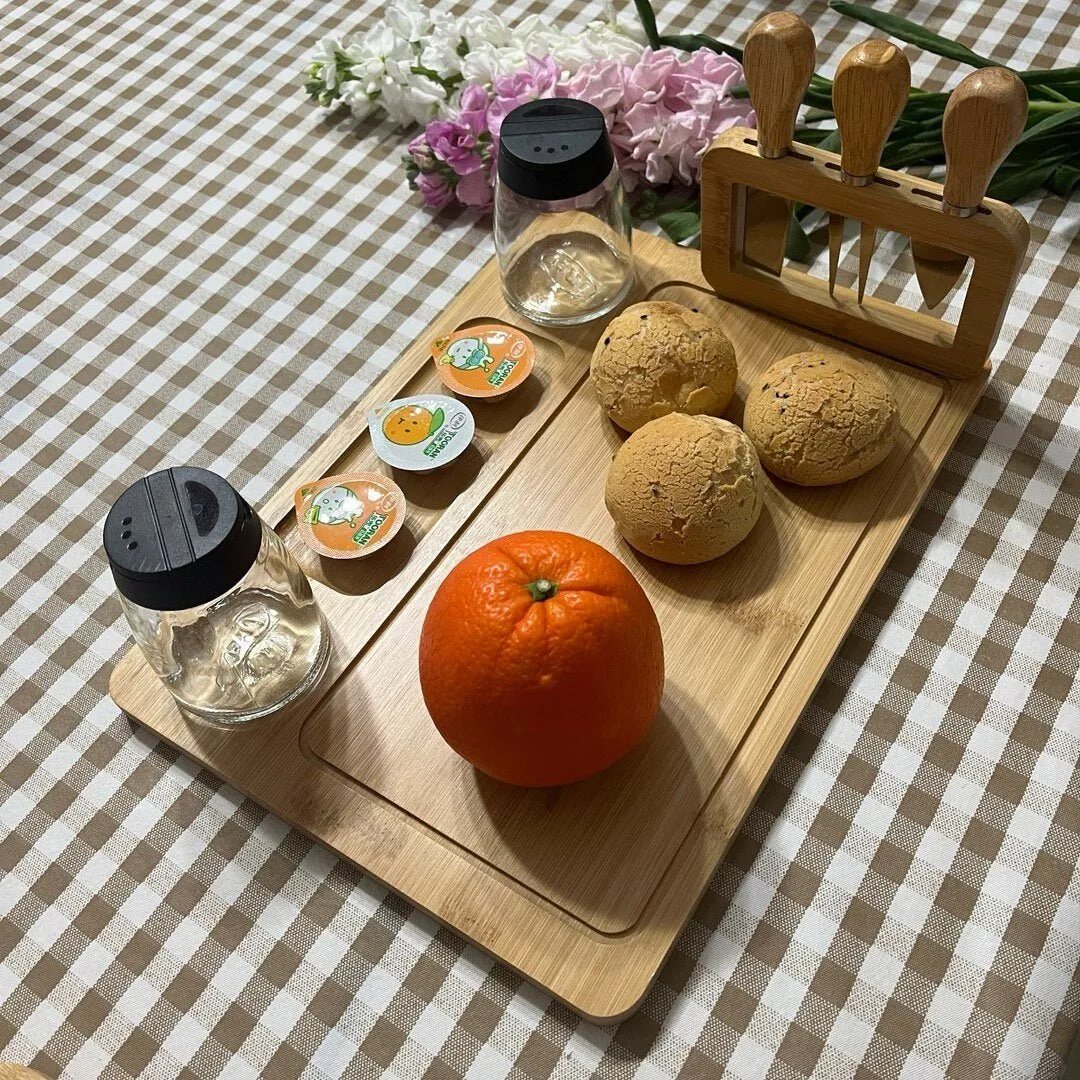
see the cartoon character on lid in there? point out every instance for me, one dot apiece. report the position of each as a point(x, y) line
point(335, 506)
point(408, 425)
point(467, 354)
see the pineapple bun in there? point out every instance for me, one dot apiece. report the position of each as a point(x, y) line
point(657, 358)
point(685, 489)
point(819, 418)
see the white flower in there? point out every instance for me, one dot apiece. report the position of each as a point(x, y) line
point(360, 104)
point(439, 54)
point(381, 43)
point(326, 57)
point(409, 98)
point(485, 61)
point(615, 42)
point(528, 29)
point(381, 57)
point(485, 28)
point(409, 20)
point(597, 41)
point(610, 21)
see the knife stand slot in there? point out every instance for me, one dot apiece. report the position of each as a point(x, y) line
point(995, 239)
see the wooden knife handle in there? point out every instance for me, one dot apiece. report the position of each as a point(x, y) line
point(778, 60)
point(983, 121)
point(870, 89)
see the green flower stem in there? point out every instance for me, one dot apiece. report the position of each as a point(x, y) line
point(648, 22)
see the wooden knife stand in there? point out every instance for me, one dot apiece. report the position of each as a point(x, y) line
point(995, 239)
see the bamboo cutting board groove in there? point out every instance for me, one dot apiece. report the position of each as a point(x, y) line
point(582, 889)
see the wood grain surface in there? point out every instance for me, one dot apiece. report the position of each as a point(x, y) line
point(729, 627)
point(582, 889)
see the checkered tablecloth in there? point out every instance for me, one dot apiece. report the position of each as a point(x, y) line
point(198, 266)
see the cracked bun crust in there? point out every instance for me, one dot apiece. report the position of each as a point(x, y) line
point(685, 489)
point(819, 418)
point(657, 358)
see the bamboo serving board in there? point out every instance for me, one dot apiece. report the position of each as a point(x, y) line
point(582, 889)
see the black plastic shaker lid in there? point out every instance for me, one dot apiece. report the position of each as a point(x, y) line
point(556, 148)
point(179, 538)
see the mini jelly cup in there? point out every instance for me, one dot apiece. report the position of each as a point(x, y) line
point(487, 361)
point(421, 433)
point(349, 516)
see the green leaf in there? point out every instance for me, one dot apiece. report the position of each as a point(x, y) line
point(462, 47)
point(693, 42)
point(831, 142)
point(680, 225)
point(818, 99)
point(916, 152)
point(438, 418)
point(652, 202)
point(924, 105)
point(447, 84)
point(1066, 116)
point(1048, 91)
point(812, 136)
point(645, 207)
point(1064, 180)
point(1013, 184)
point(428, 73)
point(1057, 77)
point(648, 22)
point(798, 243)
point(912, 32)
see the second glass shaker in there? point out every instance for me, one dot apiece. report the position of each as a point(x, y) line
point(562, 225)
point(219, 607)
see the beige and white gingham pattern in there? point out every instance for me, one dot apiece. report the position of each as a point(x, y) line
point(197, 266)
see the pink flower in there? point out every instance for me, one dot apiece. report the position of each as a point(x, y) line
point(664, 111)
point(601, 83)
point(435, 190)
point(421, 152)
point(706, 74)
point(474, 99)
point(662, 114)
point(454, 143)
point(475, 190)
point(647, 79)
point(539, 80)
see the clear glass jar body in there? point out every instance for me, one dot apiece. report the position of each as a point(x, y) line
point(564, 262)
point(247, 652)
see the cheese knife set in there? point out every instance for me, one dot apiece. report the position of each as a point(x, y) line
point(760, 176)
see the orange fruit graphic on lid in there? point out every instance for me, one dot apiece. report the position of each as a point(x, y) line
point(411, 424)
point(540, 659)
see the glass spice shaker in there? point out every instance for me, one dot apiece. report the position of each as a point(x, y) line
point(562, 224)
point(219, 607)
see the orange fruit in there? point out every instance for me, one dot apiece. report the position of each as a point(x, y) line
point(540, 659)
point(407, 426)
